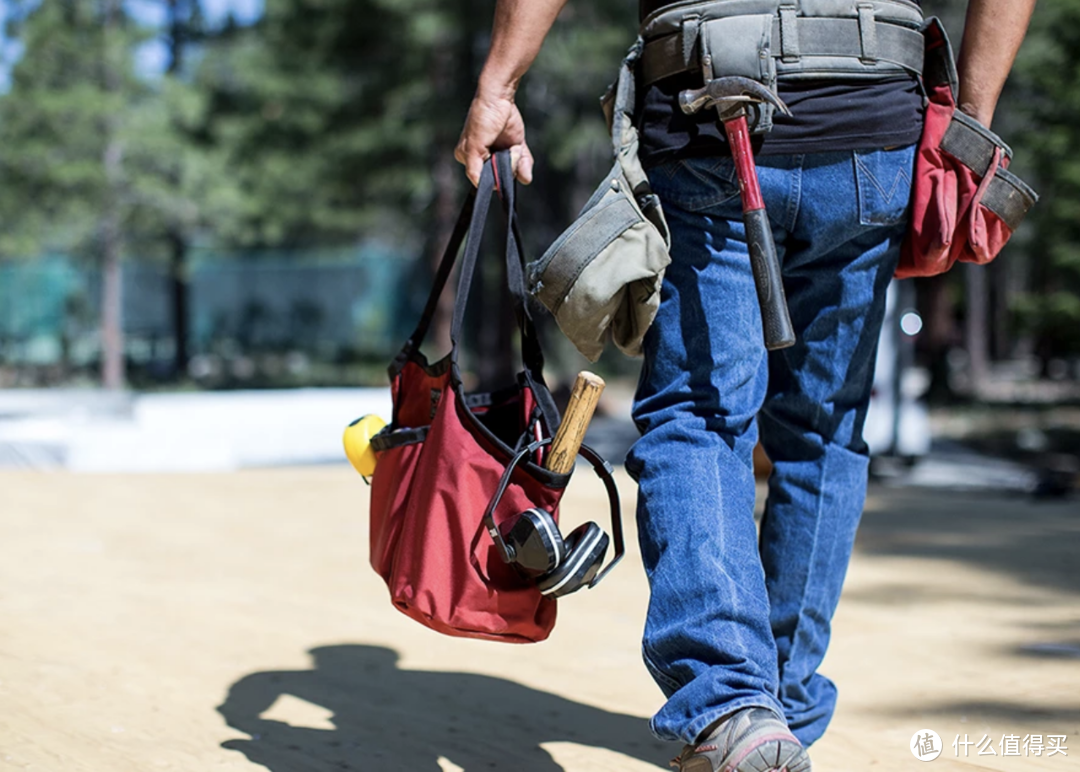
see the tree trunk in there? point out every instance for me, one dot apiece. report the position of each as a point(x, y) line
point(976, 339)
point(936, 308)
point(180, 33)
point(1001, 345)
point(181, 292)
point(177, 36)
point(112, 332)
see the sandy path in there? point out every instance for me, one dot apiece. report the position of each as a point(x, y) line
point(138, 612)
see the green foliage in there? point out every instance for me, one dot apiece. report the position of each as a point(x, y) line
point(320, 112)
point(333, 115)
point(73, 92)
point(320, 123)
point(1046, 75)
point(53, 127)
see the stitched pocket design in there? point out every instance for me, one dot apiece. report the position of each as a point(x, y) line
point(883, 180)
point(696, 184)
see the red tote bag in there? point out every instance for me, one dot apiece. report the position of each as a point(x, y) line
point(441, 458)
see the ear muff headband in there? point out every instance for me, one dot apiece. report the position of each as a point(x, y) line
point(603, 470)
point(586, 551)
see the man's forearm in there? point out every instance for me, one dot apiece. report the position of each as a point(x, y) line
point(519, 31)
point(494, 121)
point(993, 32)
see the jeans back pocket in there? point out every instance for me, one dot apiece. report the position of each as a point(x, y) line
point(883, 180)
point(696, 184)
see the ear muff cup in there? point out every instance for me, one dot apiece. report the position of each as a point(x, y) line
point(536, 543)
point(585, 549)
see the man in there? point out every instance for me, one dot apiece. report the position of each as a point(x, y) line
point(738, 623)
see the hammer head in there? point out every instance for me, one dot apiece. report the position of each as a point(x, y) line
point(730, 94)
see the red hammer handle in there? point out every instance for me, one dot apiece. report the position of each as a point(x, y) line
point(775, 319)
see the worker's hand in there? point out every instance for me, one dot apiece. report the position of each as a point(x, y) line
point(494, 123)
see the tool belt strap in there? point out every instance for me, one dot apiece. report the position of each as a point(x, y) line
point(973, 145)
point(862, 45)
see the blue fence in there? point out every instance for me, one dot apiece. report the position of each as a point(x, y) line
point(330, 303)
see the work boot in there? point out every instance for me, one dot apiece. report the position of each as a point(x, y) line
point(750, 740)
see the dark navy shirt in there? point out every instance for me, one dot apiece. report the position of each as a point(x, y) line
point(826, 116)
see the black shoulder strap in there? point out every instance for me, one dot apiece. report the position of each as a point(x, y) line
point(496, 176)
point(446, 266)
point(531, 352)
point(484, 192)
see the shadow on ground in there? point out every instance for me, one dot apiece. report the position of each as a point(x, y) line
point(999, 711)
point(1036, 542)
point(388, 719)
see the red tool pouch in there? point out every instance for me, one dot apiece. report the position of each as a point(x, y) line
point(965, 202)
point(441, 459)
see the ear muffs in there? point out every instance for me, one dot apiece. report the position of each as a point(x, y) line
point(585, 549)
point(535, 543)
point(532, 543)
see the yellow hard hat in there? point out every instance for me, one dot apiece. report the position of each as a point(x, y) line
point(357, 441)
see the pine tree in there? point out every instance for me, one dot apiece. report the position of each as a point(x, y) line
point(100, 161)
point(62, 144)
point(1047, 72)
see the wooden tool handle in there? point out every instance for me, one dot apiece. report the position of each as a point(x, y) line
point(583, 399)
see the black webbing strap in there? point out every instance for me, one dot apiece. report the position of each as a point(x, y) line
point(499, 168)
point(484, 190)
point(507, 190)
point(470, 230)
point(442, 275)
point(384, 440)
point(531, 353)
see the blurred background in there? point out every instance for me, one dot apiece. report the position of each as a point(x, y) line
point(220, 219)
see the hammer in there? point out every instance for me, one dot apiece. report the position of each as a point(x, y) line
point(730, 96)
point(579, 411)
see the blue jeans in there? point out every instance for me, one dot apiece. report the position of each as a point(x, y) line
point(736, 619)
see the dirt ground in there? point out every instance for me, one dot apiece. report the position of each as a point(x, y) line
point(223, 622)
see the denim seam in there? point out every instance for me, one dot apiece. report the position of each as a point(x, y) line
point(668, 168)
point(655, 669)
point(729, 184)
point(810, 563)
point(728, 176)
point(701, 723)
point(795, 195)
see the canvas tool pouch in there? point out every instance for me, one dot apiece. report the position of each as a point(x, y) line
point(965, 202)
point(602, 276)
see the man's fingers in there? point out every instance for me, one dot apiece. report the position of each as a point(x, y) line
point(472, 160)
point(474, 165)
point(493, 124)
point(521, 161)
point(523, 170)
